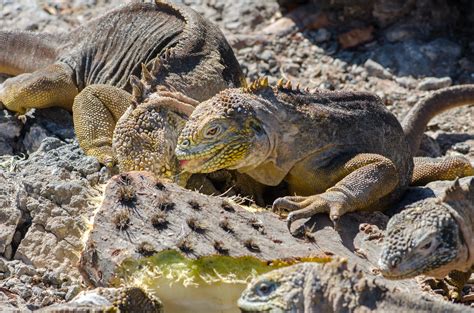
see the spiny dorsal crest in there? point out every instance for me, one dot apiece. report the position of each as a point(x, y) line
point(138, 88)
point(261, 83)
point(148, 82)
point(288, 86)
point(147, 76)
point(258, 84)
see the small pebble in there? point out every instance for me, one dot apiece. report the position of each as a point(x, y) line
point(434, 83)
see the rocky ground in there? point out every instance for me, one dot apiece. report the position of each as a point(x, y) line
point(49, 190)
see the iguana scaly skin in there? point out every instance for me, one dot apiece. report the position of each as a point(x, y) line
point(434, 238)
point(331, 287)
point(88, 69)
point(125, 299)
point(337, 151)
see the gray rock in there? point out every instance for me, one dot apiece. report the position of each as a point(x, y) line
point(48, 189)
point(10, 126)
point(9, 214)
point(401, 32)
point(34, 137)
point(434, 83)
point(266, 55)
point(3, 266)
point(377, 70)
point(321, 35)
point(291, 69)
point(72, 292)
point(413, 57)
point(461, 147)
point(407, 82)
point(8, 252)
point(24, 269)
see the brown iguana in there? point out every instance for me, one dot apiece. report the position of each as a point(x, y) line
point(337, 151)
point(88, 69)
point(434, 238)
point(101, 300)
point(332, 287)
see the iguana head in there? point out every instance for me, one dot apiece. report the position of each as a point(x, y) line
point(224, 132)
point(280, 290)
point(145, 138)
point(420, 240)
point(145, 135)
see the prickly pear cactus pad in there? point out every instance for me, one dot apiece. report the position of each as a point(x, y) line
point(207, 284)
point(197, 252)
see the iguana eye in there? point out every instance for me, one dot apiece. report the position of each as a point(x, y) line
point(213, 131)
point(426, 246)
point(185, 143)
point(265, 288)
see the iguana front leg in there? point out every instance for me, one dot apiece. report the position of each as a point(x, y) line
point(95, 112)
point(50, 86)
point(365, 179)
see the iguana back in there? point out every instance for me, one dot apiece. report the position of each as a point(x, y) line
point(88, 69)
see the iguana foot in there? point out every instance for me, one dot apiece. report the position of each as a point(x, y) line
point(104, 155)
point(21, 117)
point(443, 288)
point(50, 86)
point(332, 202)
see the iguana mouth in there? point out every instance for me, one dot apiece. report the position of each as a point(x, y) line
point(410, 274)
point(194, 163)
point(219, 156)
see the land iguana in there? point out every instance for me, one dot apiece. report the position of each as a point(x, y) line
point(338, 151)
point(433, 238)
point(332, 287)
point(101, 300)
point(88, 69)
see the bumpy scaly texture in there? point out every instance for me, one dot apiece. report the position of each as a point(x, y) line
point(433, 238)
point(337, 151)
point(330, 287)
point(188, 55)
point(126, 299)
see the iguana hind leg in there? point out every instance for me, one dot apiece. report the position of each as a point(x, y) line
point(448, 168)
point(50, 86)
point(365, 179)
point(95, 112)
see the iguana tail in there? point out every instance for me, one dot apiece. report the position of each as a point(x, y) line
point(414, 124)
point(22, 51)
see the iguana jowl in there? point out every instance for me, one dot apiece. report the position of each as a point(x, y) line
point(88, 69)
point(337, 151)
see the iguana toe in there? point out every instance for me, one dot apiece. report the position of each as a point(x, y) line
point(22, 118)
point(300, 207)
